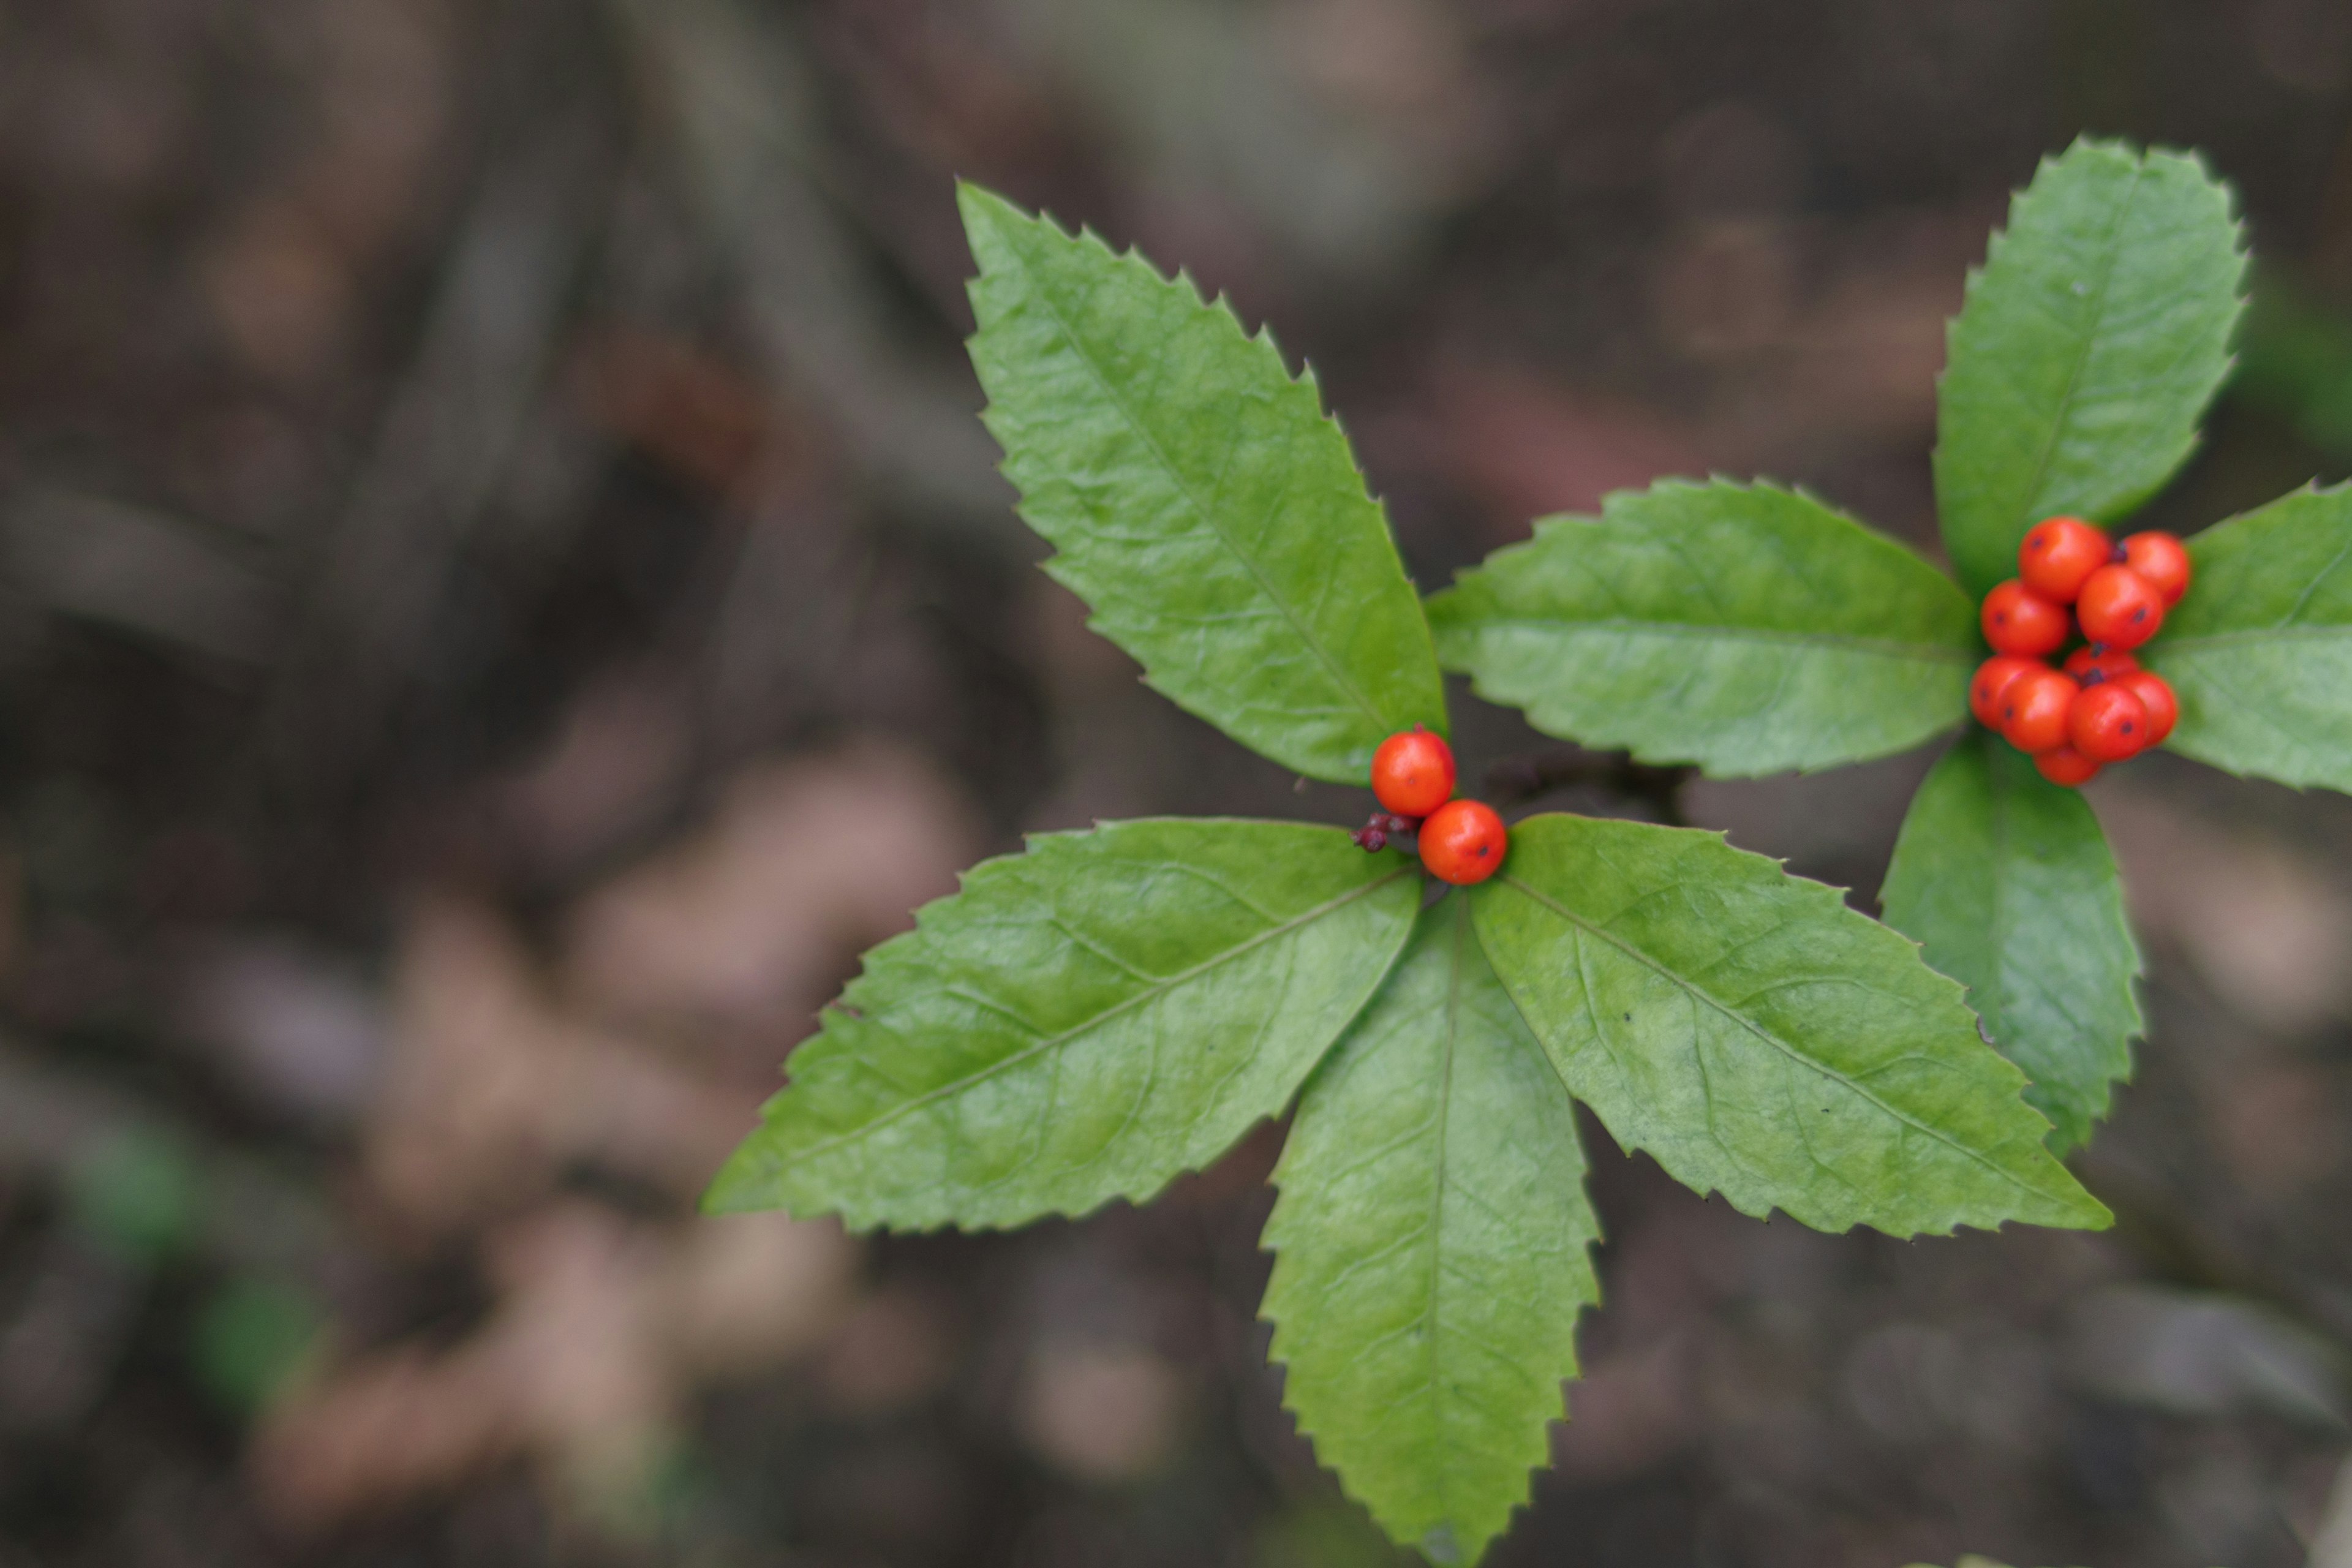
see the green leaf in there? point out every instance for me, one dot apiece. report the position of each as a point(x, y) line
point(2006, 882)
point(1081, 1023)
point(2093, 338)
point(251, 1337)
point(1744, 628)
point(2294, 361)
point(1431, 1249)
point(1761, 1039)
point(139, 1193)
point(2260, 651)
point(1202, 503)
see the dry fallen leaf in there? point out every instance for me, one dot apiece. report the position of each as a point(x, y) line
point(893, 1350)
point(746, 928)
point(1531, 448)
point(491, 1089)
point(2265, 928)
point(1105, 1412)
point(605, 1326)
point(496, 1083)
point(619, 759)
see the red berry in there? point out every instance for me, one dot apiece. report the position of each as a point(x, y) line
point(2119, 608)
point(2108, 723)
point(2059, 555)
point(1991, 683)
point(2033, 717)
point(2020, 621)
point(1412, 773)
point(2163, 559)
point(2155, 694)
point(1462, 842)
point(2109, 662)
point(2067, 766)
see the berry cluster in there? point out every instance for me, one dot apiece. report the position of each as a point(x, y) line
point(1461, 841)
point(2101, 707)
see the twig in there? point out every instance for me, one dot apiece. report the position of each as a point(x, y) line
point(1516, 781)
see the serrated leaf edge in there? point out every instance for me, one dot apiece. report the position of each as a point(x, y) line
point(1832, 897)
point(2309, 489)
point(2102, 1103)
point(860, 1221)
point(1555, 522)
point(2242, 249)
point(1576, 1370)
point(1921, 652)
point(1133, 257)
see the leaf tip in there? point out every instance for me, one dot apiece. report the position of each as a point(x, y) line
point(737, 1188)
point(981, 207)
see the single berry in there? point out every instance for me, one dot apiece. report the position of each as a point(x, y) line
point(2020, 621)
point(1991, 683)
point(2118, 607)
point(2067, 766)
point(2108, 723)
point(1412, 773)
point(1462, 842)
point(2107, 662)
point(2155, 694)
point(2161, 558)
point(2033, 716)
point(2059, 555)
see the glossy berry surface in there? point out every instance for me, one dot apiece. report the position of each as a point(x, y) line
point(2057, 557)
point(1989, 687)
point(2107, 723)
point(1462, 842)
point(2161, 559)
point(2067, 766)
point(2155, 694)
point(1412, 773)
point(2020, 621)
point(2033, 717)
point(2118, 607)
point(2109, 662)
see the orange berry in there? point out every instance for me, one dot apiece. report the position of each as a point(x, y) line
point(1412, 773)
point(2033, 716)
point(2155, 694)
point(1464, 842)
point(2119, 608)
point(2057, 556)
point(2108, 723)
point(1990, 685)
point(2020, 621)
point(2163, 559)
point(2067, 766)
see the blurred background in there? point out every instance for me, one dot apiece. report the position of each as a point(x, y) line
point(503, 597)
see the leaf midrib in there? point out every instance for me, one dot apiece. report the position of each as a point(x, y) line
point(1922, 653)
point(1437, 1191)
point(2001, 904)
point(2025, 505)
point(1770, 1038)
point(2252, 634)
point(1054, 1042)
point(1339, 674)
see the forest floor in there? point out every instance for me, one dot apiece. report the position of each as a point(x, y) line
point(503, 596)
